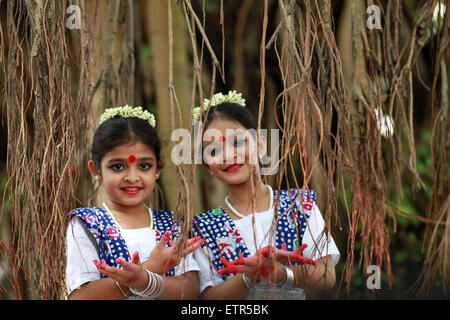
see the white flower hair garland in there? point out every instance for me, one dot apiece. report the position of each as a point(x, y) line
point(218, 98)
point(128, 112)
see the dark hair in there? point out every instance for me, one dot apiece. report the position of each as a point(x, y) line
point(232, 111)
point(120, 130)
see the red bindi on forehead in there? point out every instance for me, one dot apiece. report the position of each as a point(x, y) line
point(132, 158)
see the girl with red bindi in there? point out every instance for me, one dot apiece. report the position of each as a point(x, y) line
point(125, 249)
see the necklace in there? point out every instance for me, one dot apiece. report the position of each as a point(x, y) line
point(242, 216)
point(150, 214)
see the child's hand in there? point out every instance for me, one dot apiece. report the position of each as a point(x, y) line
point(236, 266)
point(132, 274)
point(164, 258)
point(261, 266)
point(265, 265)
point(286, 257)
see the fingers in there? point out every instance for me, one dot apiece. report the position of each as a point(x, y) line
point(295, 257)
point(193, 244)
point(195, 240)
point(252, 261)
point(100, 266)
point(104, 268)
point(285, 256)
point(233, 268)
point(164, 239)
point(248, 267)
point(302, 247)
point(135, 259)
point(266, 251)
point(225, 262)
point(281, 255)
point(229, 268)
point(174, 256)
point(304, 260)
point(126, 275)
point(240, 260)
point(133, 265)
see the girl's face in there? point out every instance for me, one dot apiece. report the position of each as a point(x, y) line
point(229, 151)
point(128, 174)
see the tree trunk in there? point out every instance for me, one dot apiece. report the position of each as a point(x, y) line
point(46, 98)
point(113, 72)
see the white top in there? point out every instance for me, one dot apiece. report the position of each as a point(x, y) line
point(82, 250)
point(318, 244)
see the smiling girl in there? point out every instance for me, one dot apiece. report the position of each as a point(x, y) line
point(260, 243)
point(126, 161)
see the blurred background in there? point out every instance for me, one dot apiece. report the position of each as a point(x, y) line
point(359, 90)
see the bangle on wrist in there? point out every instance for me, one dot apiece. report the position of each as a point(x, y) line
point(289, 278)
point(154, 288)
point(121, 290)
point(249, 283)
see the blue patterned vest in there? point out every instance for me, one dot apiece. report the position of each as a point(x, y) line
point(107, 233)
point(222, 239)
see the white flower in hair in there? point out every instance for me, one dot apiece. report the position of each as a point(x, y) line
point(196, 113)
point(218, 98)
point(128, 112)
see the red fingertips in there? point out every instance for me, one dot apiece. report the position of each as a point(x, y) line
point(200, 239)
point(239, 260)
point(97, 264)
point(311, 262)
point(136, 256)
point(100, 266)
point(224, 261)
point(266, 251)
point(229, 268)
point(166, 236)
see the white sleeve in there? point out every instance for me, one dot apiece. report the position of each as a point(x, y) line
point(187, 264)
point(208, 275)
point(81, 250)
point(320, 243)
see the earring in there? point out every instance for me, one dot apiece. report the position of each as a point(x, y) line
point(157, 175)
point(97, 177)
